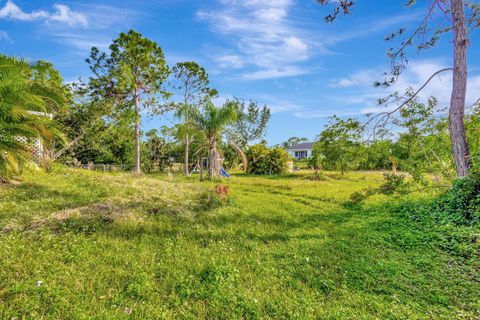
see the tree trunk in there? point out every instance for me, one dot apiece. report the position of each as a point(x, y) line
point(68, 146)
point(186, 162)
point(137, 170)
point(459, 89)
point(213, 165)
point(241, 154)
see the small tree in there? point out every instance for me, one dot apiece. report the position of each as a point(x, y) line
point(191, 83)
point(159, 150)
point(212, 121)
point(133, 75)
point(338, 143)
point(251, 125)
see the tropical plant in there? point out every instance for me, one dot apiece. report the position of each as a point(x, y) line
point(212, 121)
point(29, 93)
point(191, 84)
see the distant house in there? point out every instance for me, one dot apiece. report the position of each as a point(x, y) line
point(38, 149)
point(301, 150)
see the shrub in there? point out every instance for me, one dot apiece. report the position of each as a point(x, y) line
point(393, 184)
point(461, 203)
point(301, 163)
point(264, 160)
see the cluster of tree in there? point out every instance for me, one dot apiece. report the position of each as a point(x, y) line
point(456, 17)
point(420, 144)
point(131, 80)
point(100, 120)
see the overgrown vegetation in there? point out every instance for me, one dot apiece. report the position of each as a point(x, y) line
point(30, 93)
point(78, 243)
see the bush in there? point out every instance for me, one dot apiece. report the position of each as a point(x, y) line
point(394, 184)
point(264, 160)
point(301, 163)
point(461, 203)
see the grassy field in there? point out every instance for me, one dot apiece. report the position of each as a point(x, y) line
point(76, 244)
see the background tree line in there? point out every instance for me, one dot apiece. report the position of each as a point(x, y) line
point(99, 120)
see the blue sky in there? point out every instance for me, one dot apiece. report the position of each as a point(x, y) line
point(277, 52)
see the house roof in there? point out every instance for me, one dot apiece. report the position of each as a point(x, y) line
point(302, 146)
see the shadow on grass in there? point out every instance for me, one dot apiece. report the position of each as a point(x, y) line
point(32, 199)
point(375, 251)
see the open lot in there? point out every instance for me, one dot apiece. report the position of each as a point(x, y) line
point(88, 245)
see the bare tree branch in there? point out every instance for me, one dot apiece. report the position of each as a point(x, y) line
point(383, 117)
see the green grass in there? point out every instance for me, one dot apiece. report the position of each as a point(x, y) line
point(112, 246)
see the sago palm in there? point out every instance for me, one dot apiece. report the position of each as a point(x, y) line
point(27, 94)
point(212, 122)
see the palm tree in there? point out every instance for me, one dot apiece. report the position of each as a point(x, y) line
point(28, 93)
point(212, 121)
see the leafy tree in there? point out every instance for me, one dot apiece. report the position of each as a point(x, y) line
point(212, 121)
point(29, 92)
point(132, 74)
point(338, 143)
point(376, 155)
point(251, 125)
point(88, 115)
point(424, 145)
point(264, 160)
point(191, 83)
point(473, 134)
point(454, 16)
point(292, 142)
point(107, 143)
point(159, 150)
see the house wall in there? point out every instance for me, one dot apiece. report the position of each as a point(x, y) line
point(292, 152)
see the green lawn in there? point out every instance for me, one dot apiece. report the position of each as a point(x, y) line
point(83, 245)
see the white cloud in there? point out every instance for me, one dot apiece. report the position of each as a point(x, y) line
point(233, 61)
point(263, 36)
point(4, 36)
point(104, 21)
point(65, 15)
point(62, 14)
point(416, 74)
point(268, 38)
point(275, 73)
point(364, 78)
point(82, 42)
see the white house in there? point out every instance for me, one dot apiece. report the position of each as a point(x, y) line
point(38, 149)
point(301, 150)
